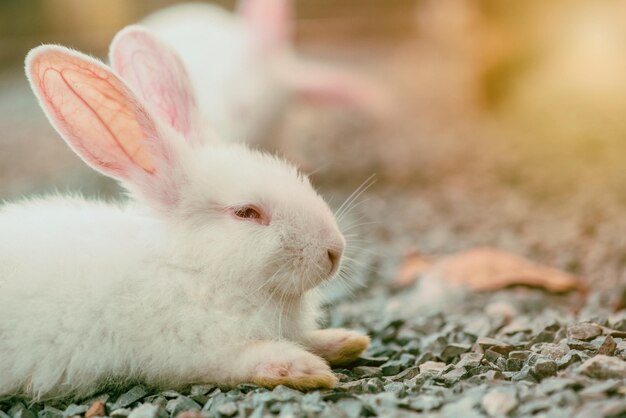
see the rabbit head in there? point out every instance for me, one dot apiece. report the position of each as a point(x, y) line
point(245, 68)
point(226, 211)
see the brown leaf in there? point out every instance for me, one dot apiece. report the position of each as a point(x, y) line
point(488, 269)
point(97, 409)
point(413, 265)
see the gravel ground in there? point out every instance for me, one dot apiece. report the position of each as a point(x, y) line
point(514, 352)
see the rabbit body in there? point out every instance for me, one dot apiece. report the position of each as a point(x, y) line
point(90, 292)
point(245, 70)
point(207, 274)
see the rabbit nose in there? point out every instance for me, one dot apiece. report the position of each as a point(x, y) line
point(334, 255)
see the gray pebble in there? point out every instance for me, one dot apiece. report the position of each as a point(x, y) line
point(470, 360)
point(454, 350)
point(70, 411)
point(120, 413)
point(133, 395)
point(50, 412)
point(521, 355)
point(604, 367)
point(180, 404)
point(148, 411)
point(390, 368)
point(608, 346)
point(499, 401)
point(352, 407)
point(584, 331)
point(544, 368)
point(227, 409)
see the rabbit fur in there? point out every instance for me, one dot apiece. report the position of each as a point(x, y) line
point(207, 274)
point(245, 69)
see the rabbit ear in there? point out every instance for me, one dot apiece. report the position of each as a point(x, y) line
point(99, 117)
point(156, 73)
point(326, 84)
point(271, 19)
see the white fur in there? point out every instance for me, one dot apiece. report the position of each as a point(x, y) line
point(245, 69)
point(169, 294)
point(238, 87)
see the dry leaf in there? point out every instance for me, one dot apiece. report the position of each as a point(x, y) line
point(413, 265)
point(487, 269)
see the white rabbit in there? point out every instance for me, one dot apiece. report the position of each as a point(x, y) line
point(245, 70)
point(208, 275)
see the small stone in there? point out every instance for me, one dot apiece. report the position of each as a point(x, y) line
point(120, 413)
point(492, 356)
point(521, 355)
point(227, 409)
point(544, 368)
point(425, 403)
point(543, 337)
point(407, 374)
point(372, 361)
point(412, 347)
point(553, 351)
point(70, 411)
point(284, 394)
point(453, 350)
point(366, 371)
point(354, 386)
point(50, 412)
point(97, 409)
point(391, 368)
point(533, 406)
point(463, 407)
point(524, 374)
point(406, 360)
point(470, 360)
point(604, 367)
point(198, 390)
point(374, 385)
point(608, 347)
point(499, 402)
point(620, 325)
point(584, 331)
point(192, 413)
point(514, 365)
point(396, 387)
point(432, 367)
point(600, 390)
point(580, 345)
point(454, 375)
point(426, 356)
point(148, 411)
point(352, 407)
point(556, 384)
point(568, 359)
point(182, 403)
point(133, 395)
point(495, 345)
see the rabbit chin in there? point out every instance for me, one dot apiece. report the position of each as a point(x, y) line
point(296, 276)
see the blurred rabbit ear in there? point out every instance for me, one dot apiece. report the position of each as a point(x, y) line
point(100, 118)
point(156, 73)
point(332, 85)
point(272, 20)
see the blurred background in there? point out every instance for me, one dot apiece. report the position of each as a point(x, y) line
point(507, 124)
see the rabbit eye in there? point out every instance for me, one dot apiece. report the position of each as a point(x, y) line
point(251, 213)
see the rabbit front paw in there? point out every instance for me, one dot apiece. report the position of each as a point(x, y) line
point(303, 372)
point(337, 346)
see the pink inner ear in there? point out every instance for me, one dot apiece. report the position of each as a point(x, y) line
point(272, 19)
point(158, 76)
point(94, 112)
